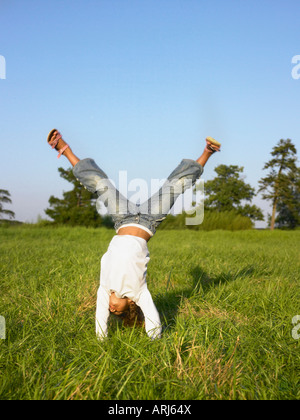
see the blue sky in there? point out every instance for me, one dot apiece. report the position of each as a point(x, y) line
point(138, 85)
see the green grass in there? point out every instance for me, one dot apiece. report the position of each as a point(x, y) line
point(226, 300)
point(226, 220)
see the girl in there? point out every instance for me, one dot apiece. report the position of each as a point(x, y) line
point(123, 288)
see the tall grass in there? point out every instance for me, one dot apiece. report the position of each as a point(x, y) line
point(226, 300)
point(213, 220)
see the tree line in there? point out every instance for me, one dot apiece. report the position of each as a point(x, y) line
point(226, 194)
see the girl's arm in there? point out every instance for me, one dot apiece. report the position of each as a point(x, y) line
point(152, 320)
point(102, 312)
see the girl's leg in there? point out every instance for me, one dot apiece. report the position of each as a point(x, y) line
point(95, 180)
point(88, 173)
point(181, 179)
point(71, 157)
point(209, 150)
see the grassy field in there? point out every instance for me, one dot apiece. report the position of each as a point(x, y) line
point(226, 300)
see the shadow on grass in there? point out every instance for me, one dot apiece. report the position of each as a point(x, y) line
point(168, 303)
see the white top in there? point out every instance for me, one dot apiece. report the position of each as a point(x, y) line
point(123, 271)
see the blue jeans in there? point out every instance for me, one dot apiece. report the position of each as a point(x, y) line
point(153, 211)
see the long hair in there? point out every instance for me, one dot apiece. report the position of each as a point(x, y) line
point(133, 316)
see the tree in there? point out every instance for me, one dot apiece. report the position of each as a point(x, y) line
point(228, 190)
point(288, 208)
point(279, 186)
point(77, 207)
point(5, 198)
